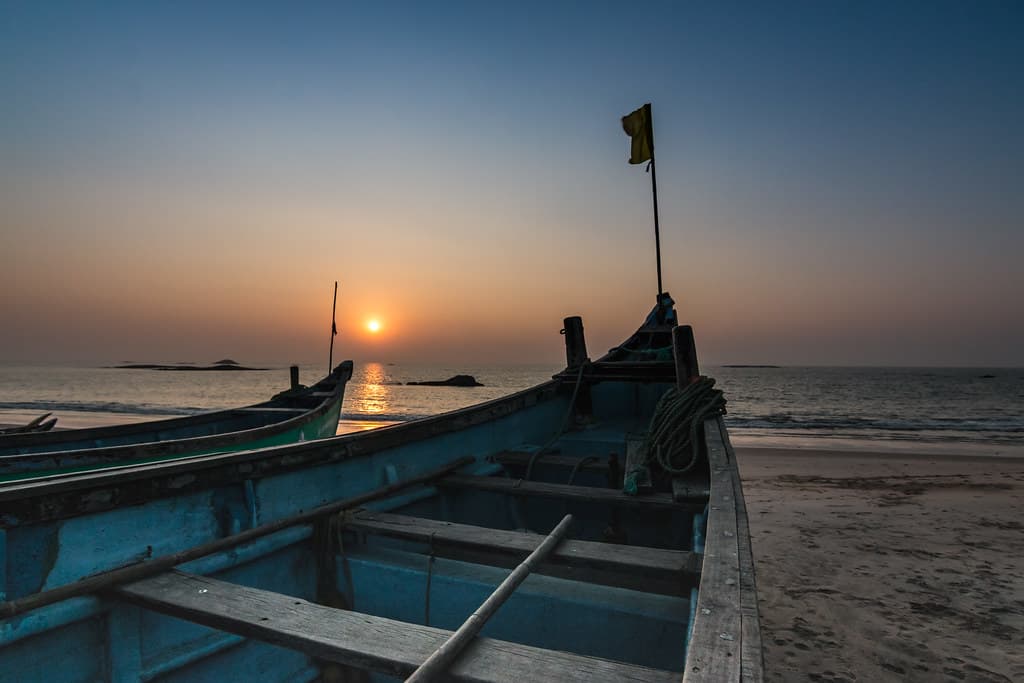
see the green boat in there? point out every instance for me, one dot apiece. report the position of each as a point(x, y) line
point(298, 414)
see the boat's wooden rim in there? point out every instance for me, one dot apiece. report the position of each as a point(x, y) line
point(726, 641)
point(66, 495)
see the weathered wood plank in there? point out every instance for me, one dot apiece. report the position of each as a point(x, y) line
point(684, 489)
point(714, 653)
point(588, 494)
point(628, 559)
point(752, 651)
point(362, 640)
point(523, 458)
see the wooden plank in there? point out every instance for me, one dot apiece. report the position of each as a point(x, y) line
point(636, 464)
point(627, 559)
point(684, 489)
point(677, 585)
point(569, 461)
point(715, 646)
point(751, 649)
point(587, 494)
point(361, 640)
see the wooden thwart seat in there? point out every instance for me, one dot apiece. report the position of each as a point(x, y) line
point(362, 640)
point(523, 458)
point(608, 556)
point(590, 494)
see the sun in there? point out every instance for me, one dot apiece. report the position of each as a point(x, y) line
point(373, 325)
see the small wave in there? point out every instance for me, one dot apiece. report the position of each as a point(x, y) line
point(967, 424)
point(99, 407)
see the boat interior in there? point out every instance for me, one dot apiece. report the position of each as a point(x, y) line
point(385, 583)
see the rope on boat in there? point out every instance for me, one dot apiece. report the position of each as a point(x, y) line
point(579, 464)
point(430, 574)
point(562, 429)
point(672, 441)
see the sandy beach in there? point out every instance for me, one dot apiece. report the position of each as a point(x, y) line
point(876, 567)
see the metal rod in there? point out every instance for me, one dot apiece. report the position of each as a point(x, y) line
point(334, 327)
point(141, 570)
point(443, 657)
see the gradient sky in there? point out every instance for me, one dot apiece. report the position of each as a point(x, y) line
point(840, 182)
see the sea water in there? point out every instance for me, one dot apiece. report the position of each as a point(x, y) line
point(977, 410)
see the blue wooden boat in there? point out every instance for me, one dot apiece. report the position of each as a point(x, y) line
point(298, 414)
point(367, 556)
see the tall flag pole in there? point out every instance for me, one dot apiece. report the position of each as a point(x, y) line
point(334, 329)
point(639, 126)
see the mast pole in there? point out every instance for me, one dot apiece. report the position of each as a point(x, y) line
point(334, 327)
point(654, 194)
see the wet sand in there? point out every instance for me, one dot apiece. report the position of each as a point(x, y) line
point(876, 567)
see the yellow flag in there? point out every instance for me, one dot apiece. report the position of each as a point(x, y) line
point(638, 126)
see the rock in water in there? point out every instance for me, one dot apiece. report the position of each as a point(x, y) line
point(456, 381)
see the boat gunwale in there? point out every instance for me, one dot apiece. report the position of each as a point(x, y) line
point(61, 496)
point(433, 425)
point(725, 644)
point(66, 495)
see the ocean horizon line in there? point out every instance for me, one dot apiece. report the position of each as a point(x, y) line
point(283, 365)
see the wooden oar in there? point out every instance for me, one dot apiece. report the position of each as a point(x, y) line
point(445, 655)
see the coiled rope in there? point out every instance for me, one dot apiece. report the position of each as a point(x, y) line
point(672, 441)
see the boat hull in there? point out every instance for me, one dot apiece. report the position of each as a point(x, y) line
point(618, 601)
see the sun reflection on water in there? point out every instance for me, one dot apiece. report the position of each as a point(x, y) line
point(372, 396)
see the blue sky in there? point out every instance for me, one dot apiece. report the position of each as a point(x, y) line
point(840, 182)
